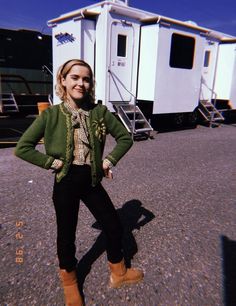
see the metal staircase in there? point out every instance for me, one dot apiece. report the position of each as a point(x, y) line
point(209, 112)
point(133, 119)
point(9, 104)
point(207, 107)
point(129, 113)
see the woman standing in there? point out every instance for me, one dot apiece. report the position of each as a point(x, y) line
point(74, 137)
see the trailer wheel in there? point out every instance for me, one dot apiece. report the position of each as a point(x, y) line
point(192, 119)
point(178, 120)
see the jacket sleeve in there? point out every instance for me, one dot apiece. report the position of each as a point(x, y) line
point(121, 135)
point(25, 148)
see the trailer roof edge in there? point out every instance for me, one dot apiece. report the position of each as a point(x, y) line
point(82, 13)
point(92, 10)
point(174, 21)
point(228, 40)
point(141, 15)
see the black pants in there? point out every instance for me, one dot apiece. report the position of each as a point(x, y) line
point(74, 187)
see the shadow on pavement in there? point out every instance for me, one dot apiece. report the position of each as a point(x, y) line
point(229, 270)
point(133, 216)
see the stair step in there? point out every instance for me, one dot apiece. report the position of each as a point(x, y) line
point(130, 111)
point(139, 120)
point(217, 119)
point(215, 113)
point(209, 111)
point(144, 130)
point(9, 104)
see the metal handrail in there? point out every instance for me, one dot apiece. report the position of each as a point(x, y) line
point(213, 93)
point(203, 81)
point(114, 76)
point(50, 99)
point(46, 69)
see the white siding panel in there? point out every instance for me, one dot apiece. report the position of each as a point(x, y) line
point(148, 62)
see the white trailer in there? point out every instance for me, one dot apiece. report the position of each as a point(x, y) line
point(225, 84)
point(218, 86)
point(162, 65)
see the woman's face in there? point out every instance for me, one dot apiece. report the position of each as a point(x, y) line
point(77, 82)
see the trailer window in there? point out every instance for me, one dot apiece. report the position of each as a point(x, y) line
point(121, 45)
point(207, 58)
point(182, 51)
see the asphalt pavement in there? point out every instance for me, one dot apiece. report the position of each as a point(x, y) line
point(176, 196)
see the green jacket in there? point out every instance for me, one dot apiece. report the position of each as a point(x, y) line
point(54, 124)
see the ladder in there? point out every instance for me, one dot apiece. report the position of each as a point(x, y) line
point(9, 104)
point(209, 112)
point(130, 114)
point(133, 119)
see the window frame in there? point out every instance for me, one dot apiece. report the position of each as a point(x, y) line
point(121, 48)
point(207, 57)
point(175, 61)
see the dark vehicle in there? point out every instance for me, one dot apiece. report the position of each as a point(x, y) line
point(25, 76)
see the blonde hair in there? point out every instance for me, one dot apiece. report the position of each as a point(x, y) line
point(62, 73)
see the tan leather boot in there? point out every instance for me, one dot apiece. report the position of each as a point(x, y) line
point(70, 286)
point(120, 275)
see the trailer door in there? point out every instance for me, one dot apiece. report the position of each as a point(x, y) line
point(208, 70)
point(121, 62)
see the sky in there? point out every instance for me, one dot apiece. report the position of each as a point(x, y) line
point(219, 15)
